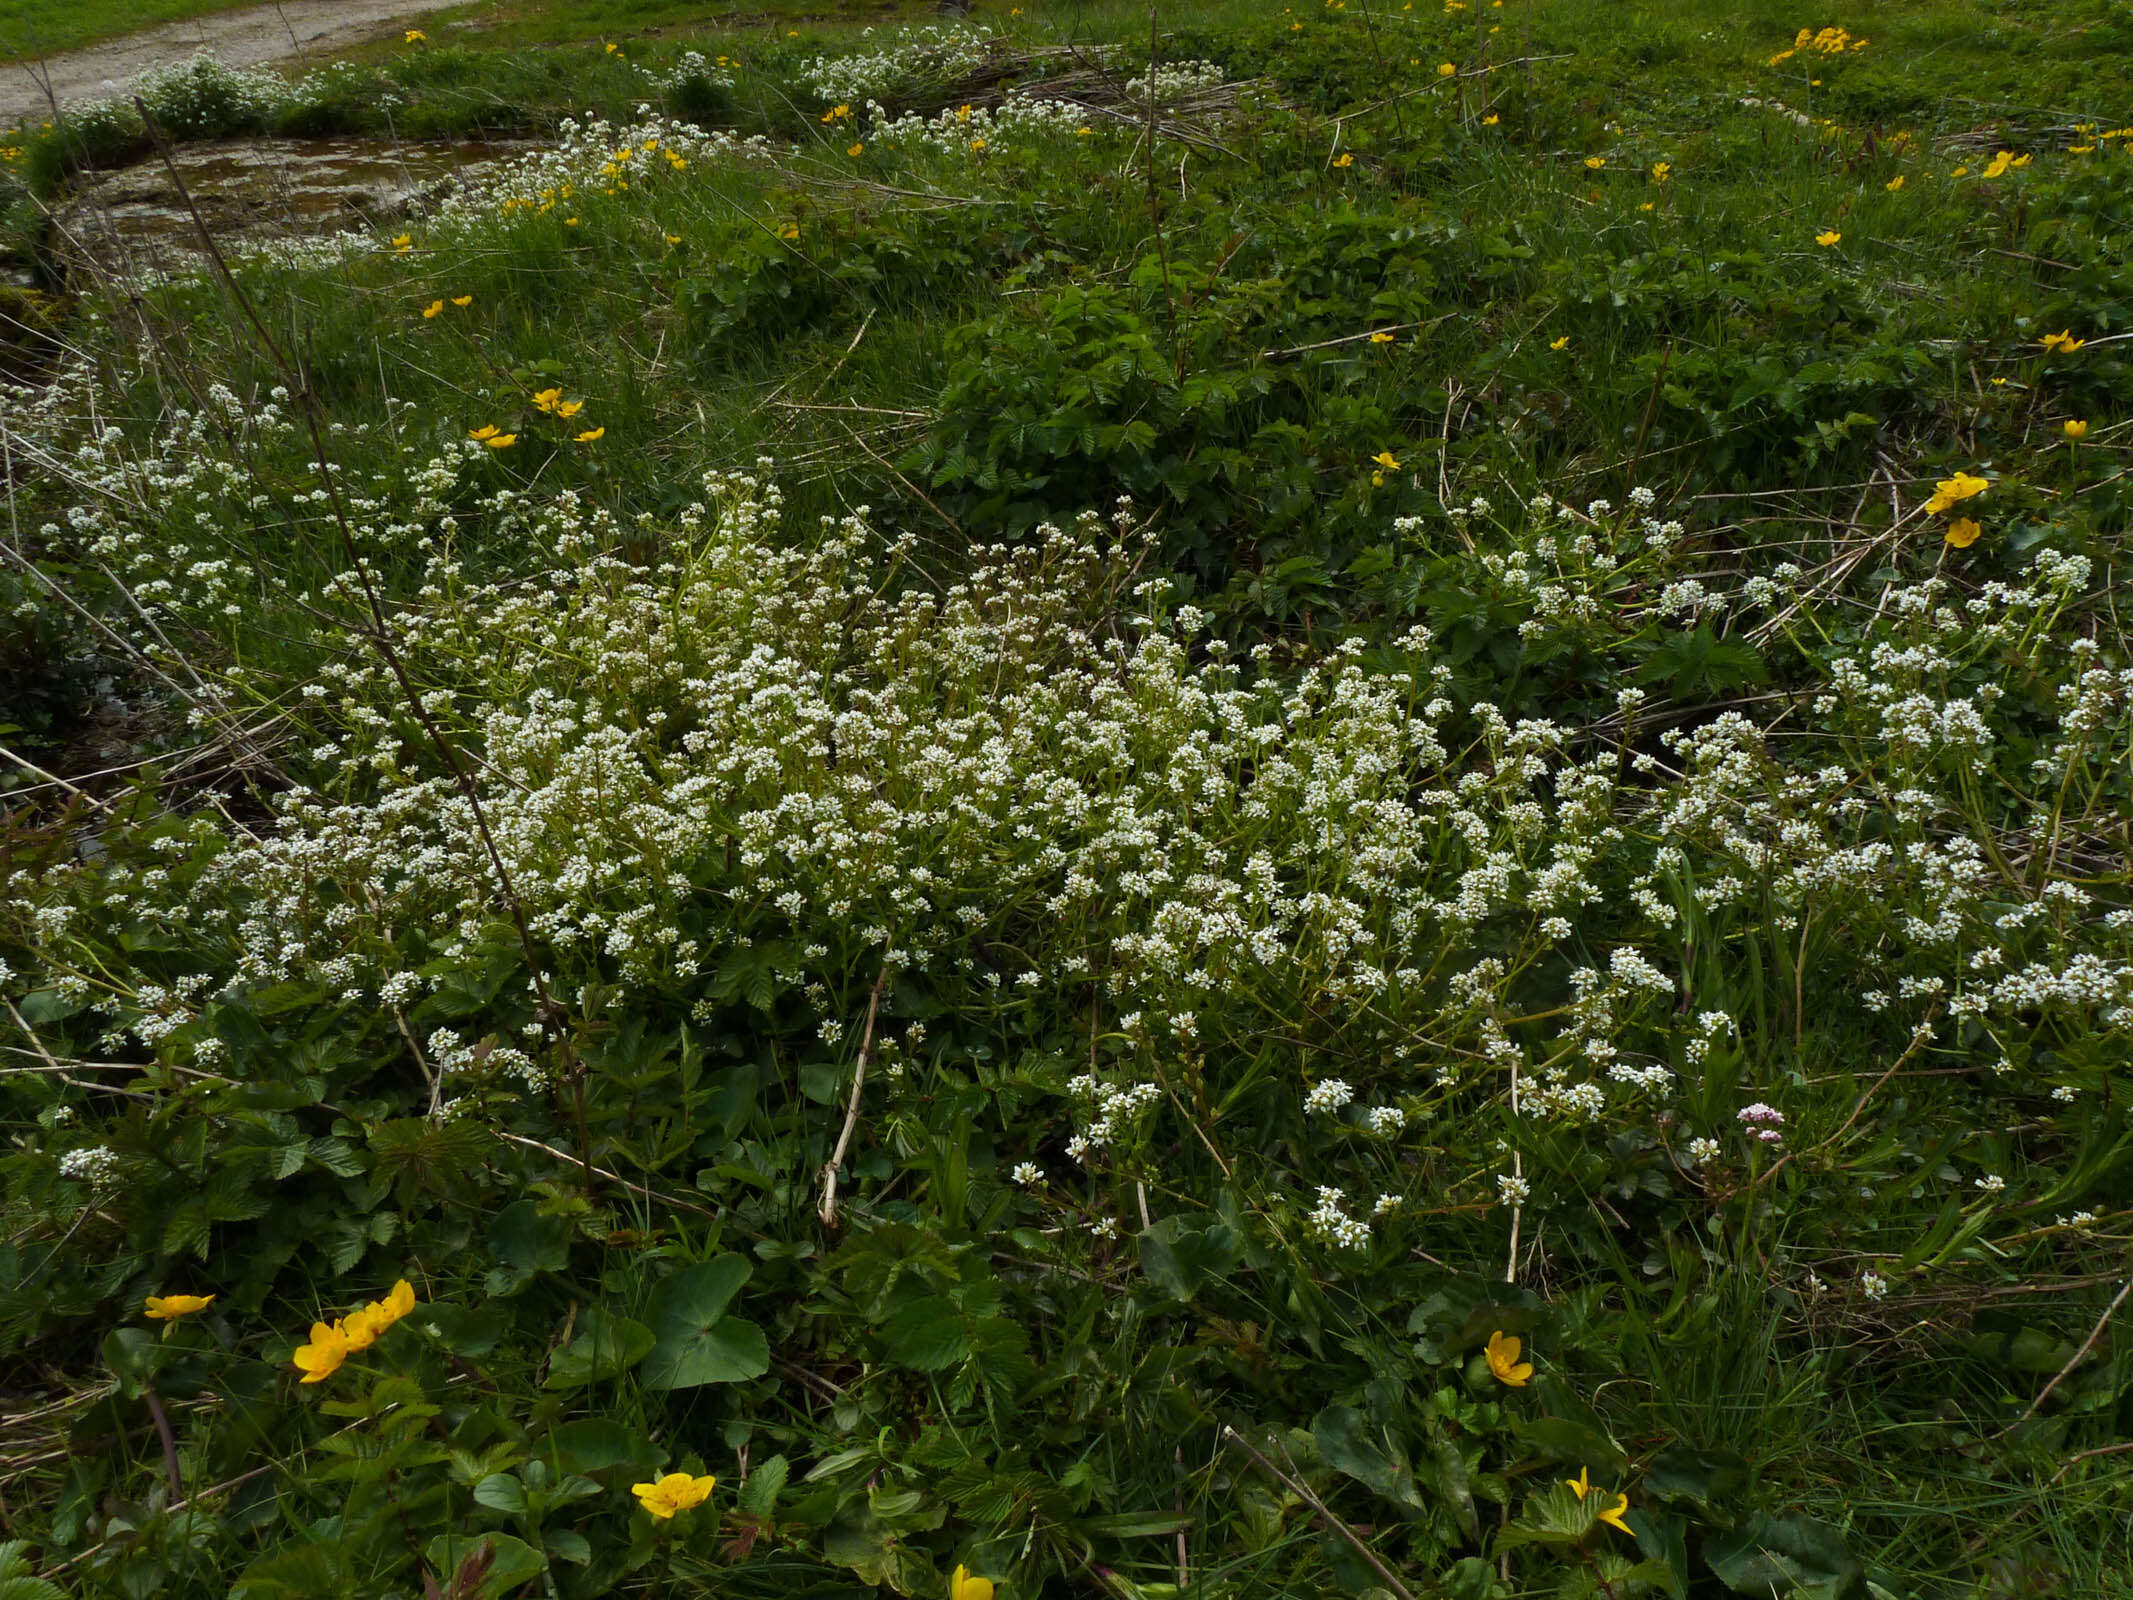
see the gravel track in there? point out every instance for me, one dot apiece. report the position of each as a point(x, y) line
point(251, 37)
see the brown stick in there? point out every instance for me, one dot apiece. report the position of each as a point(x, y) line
point(170, 1443)
point(851, 1109)
point(1237, 1441)
point(2078, 1357)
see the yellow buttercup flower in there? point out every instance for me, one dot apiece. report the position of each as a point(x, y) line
point(2080, 149)
point(1580, 1486)
point(1387, 460)
point(569, 408)
point(1999, 164)
point(1953, 491)
point(545, 399)
point(1648, 205)
point(1381, 338)
point(1447, 69)
point(962, 113)
point(791, 230)
point(611, 49)
point(677, 1491)
point(432, 309)
point(2021, 161)
point(169, 1307)
point(1560, 344)
point(413, 36)
point(836, 113)
point(2076, 429)
point(977, 144)
point(1344, 159)
point(2062, 343)
point(591, 434)
point(404, 243)
point(1502, 1355)
point(1612, 1516)
point(462, 299)
point(1661, 171)
point(1962, 533)
point(501, 441)
point(1595, 163)
point(856, 147)
point(322, 1357)
point(487, 430)
point(962, 1585)
point(1828, 237)
point(673, 238)
point(1894, 183)
point(1490, 120)
point(1960, 172)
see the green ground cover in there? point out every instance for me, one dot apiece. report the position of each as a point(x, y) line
point(613, 753)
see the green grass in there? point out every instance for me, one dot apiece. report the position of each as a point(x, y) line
point(974, 343)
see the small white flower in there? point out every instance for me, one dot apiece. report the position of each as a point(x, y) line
point(1992, 1183)
point(1328, 1096)
point(1027, 1173)
point(1512, 1191)
point(1873, 1284)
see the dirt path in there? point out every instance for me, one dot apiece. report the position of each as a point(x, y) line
point(247, 38)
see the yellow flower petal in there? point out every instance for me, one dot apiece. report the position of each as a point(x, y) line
point(2076, 429)
point(462, 299)
point(1612, 1516)
point(1502, 1355)
point(168, 1307)
point(1962, 533)
point(963, 1586)
point(433, 308)
point(590, 434)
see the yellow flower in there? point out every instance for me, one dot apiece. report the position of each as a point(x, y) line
point(1612, 1516)
point(169, 1307)
point(856, 147)
point(1083, 133)
point(1387, 460)
point(1661, 171)
point(322, 1357)
point(1502, 1355)
point(1560, 344)
point(2021, 161)
point(1580, 1486)
point(1381, 338)
point(404, 242)
point(502, 441)
point(1955, 490)
point(1648, 205)
point(591, 434)
point(2079, 149)
point(2076, 429)
point(2062, 343)
point(413, 36)
point(1595, 163)
point(1962, 533)
point(836, 113)
point(962, 113)
point(1490, 120)
point(962, 1586)
point(1999, 164)
point(791, 230)
point(1447, 69)
point(977, 144)
point(545, 399)
point(432, 308)
point(569, 408)
point(487, 430)
point(673, 238)
point(570, 222)
point(1828, 237)
point(1960, 172)
point(1344, 159)
point(1894, 183)
point(611, 49)
point(677, 1491)
point(462, 299)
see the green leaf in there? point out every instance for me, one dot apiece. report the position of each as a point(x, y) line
point(1703, 1477)
point(1556, 1519)
point(605, 1347)
point(1179, 1258)
point(526, 1243)
point(499, 1491)
point(1781, 1556)
point(512, 1563)
point(759, 1493)
point(1344, 1438)
point(696, 1343)
point(927, 1335)
point(1572, 1443)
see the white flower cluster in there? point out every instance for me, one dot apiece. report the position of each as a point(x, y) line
point(1332, 1223)
point(96, 1165)
point(904, 62)
point(969, 131)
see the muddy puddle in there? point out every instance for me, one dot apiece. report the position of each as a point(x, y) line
point(135, 220)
